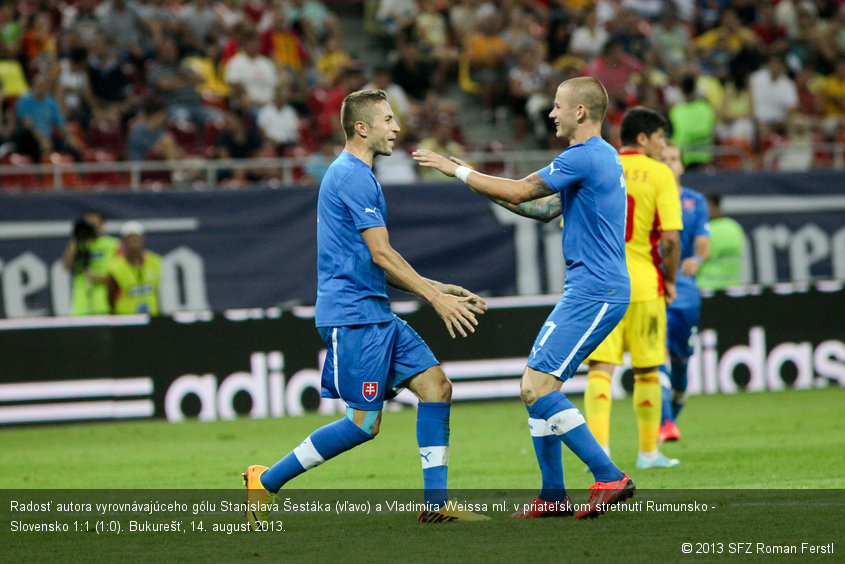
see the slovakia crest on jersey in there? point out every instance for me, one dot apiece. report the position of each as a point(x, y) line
point(689, 204)
point(369, 390)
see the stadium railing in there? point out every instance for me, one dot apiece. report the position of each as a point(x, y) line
point(290, 171)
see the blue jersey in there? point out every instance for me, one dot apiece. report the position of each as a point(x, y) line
point(696, 223)
point(351, 288)
point(591, 183)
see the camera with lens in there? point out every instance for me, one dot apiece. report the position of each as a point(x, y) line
point(84, 234)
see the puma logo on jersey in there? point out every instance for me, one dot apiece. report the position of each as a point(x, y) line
point(552, 168)
point(370, 210)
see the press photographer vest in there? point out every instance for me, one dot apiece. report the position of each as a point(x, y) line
point(138, 284)
point(91, 298)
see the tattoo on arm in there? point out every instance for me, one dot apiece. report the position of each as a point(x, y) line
point(543, 209)
point(539, 188)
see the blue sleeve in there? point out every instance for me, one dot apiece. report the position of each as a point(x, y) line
point(568, 168)
point(702, 221)
point(362, 197)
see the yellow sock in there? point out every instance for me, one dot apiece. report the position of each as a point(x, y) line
point(647, 405)
point(597, 405)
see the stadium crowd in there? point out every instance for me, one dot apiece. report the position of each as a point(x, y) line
point(90, 80)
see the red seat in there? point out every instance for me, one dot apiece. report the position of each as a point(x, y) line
point(70, 179)
point(187, 136)
point(104, 134)
point(107, 179)
point(15, 182)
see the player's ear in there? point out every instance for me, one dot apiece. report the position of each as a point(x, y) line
point(642, 138)
point(362, 128)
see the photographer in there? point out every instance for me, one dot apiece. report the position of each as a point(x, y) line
point(86, 256)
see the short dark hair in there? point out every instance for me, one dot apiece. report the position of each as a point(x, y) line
point(640, 120)
point(358, 106)
point(591, 93)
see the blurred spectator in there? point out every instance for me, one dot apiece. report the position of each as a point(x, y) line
point(87, 256)
point(134, 275)
point(833, 100)
point(786, 14)
point(395, 17)
point(440, 141)
point(200, 20)
point(487, 53)
point(647, 9)
point(121, 20)
point(229, 12)
point(464, 16)
point(149, 138)
point(314, 17)
point(671, 37)
point(396, 168)
point(39, 38)
point(718, 46)
point(11, 32)
point(735, 112)
point(283, 45)
point(238, 140)
point(773, 95)
point(328, 126)
point(74, 91)
point(333, 59)
point(724, 267)
point(40, 126)
point(431, 35)
point(254, 72)
point(413, 73)
point(797, 153)
point(396, 95)
point(771, 33)
point(693, 123)
point(82, 18)
point(278, 120)
point(209, 67)
point(109, 82)
point(317, 163)
point(809, 47)
point(527, 79)
point(614, 68)
point(175, 85)
point(13, 81)
point(589, 38)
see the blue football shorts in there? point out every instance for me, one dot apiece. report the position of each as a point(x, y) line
point(682, 330)
point(366, 362)
point(572, 331)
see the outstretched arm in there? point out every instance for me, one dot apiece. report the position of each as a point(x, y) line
point(510, 191)
point(454, 311)
point(542, 209)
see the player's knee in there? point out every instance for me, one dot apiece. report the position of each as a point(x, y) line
point(435, 387)
point(369, 421)
point(527, 393)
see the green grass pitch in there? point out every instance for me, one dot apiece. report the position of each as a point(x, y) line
point(768, 465)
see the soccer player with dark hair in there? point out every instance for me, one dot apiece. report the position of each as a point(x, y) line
point(652, 247)
point(684, 313)
point(586, 185)
point(370, 350)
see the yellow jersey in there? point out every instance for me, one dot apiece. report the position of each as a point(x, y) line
point(654, 204)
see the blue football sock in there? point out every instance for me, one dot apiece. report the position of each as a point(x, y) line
point(568, 424)
point(665, 397)
point(323, 444)
point(548, 451)
point(433, 440)
point(679, 385)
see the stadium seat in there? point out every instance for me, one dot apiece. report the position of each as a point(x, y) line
point(187, 136)
point(104, 180)
point(212, 131)
point(70, 179)
point(106, 135)
point(736, 153)
point(19, 182)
